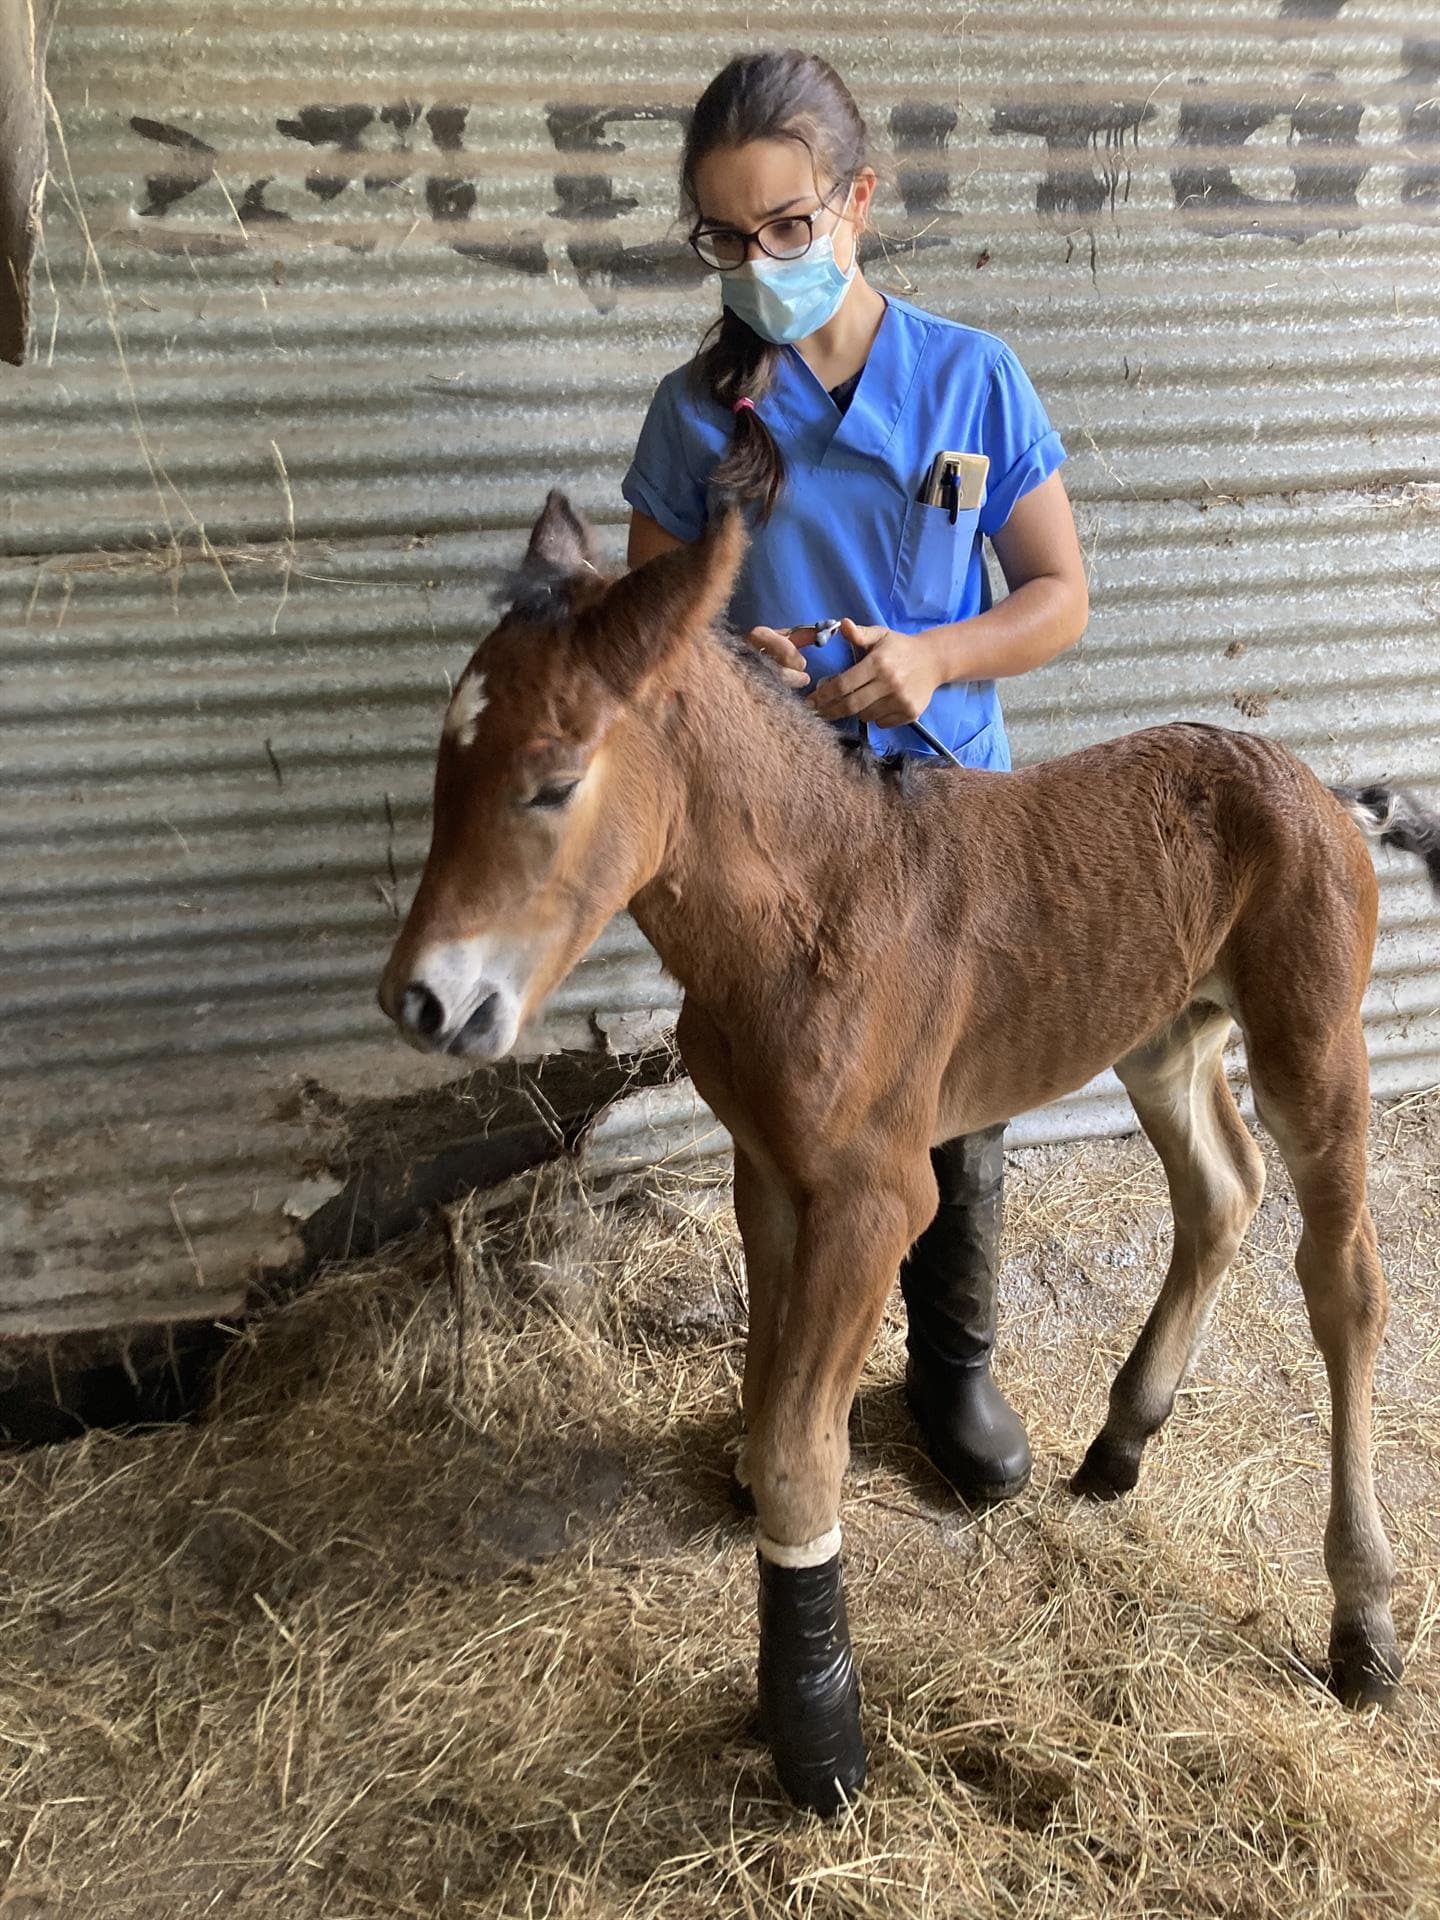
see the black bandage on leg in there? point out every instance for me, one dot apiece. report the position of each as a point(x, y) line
point(809, 1690)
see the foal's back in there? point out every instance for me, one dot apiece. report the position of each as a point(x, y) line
point(1090, 899)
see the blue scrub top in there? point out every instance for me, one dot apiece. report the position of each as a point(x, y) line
point(849, 537)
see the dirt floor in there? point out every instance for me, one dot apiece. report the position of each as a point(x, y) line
point(442, 1611)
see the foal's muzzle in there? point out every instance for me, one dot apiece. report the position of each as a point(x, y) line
point(423, 1020)
point(462, 997)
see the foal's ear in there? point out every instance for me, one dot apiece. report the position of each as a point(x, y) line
point(646, 614)
point(561, 549)
point(560, 541)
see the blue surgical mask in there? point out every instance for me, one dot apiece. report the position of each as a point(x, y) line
point(786, 300)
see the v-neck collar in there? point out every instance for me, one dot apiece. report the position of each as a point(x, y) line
point(869, 422)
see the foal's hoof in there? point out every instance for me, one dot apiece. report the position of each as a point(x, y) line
point(1362, 1674)
point(827, 1793)
point(1105, 1472)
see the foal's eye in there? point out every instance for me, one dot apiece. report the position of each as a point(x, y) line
point(553, 795)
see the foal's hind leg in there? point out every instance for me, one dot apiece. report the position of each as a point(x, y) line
point(1315, 1102)
point(1216, 1177)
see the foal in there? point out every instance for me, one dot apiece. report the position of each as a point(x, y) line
point(872, 965)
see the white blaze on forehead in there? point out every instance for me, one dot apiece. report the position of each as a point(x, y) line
point(466, 708)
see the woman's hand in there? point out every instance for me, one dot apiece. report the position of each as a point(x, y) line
point(782, 650)
point(892, 684)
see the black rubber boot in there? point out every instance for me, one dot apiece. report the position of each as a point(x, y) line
point(809, 1691)
point(972, 1434)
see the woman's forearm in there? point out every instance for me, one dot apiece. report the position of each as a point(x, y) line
point(1039, 619)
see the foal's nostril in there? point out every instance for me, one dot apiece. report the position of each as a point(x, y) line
point(421, 1012)
point(483, 1018)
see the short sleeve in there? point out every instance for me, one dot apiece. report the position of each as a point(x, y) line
point(1024, 448)
point(661, 481)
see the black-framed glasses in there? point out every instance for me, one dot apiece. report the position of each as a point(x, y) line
point(788, 238)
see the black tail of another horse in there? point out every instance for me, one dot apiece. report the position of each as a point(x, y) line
point(1396, 819)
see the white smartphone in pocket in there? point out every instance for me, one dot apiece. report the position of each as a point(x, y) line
point(969, 471)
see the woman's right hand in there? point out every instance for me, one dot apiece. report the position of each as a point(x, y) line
point(782, 650)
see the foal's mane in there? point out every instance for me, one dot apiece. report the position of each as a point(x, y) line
point(903, 775)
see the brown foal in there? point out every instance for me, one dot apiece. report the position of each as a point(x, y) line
point(875, 961)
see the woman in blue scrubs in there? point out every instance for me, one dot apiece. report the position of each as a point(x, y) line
point(821, 405)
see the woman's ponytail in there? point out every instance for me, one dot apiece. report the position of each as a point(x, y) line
point(735, 367)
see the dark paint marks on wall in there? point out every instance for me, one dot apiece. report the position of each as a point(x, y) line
point(337, 127)
point(920, 131)
point(1071, 184)
point(165, 190)
point(604, 264)
point(1209, 196)
point(1086, 169)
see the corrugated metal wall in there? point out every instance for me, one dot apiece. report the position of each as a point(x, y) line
point(331, 294)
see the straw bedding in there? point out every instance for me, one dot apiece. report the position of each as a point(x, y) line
point(441, 1610)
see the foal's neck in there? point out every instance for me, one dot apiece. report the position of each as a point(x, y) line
point(781, 860)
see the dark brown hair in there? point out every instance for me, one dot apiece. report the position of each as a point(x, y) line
point(763, 96)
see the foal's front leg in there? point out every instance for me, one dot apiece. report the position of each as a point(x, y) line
point(766, 1218)
point(851, 1240)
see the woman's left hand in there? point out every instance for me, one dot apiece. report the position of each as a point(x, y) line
point(892, 684)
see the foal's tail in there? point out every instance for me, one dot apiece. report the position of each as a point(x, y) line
point(1396, 819)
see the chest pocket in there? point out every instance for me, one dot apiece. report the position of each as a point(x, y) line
point(933, 562)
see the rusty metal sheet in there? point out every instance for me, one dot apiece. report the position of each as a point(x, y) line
point(329, 296)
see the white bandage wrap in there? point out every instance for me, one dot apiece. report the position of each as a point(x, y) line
point(810, 1553)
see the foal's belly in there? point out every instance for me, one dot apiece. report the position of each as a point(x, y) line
point(1057, 1050)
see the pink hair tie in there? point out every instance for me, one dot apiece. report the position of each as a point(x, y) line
point(742, 405)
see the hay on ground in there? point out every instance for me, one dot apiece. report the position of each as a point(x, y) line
point(442, 1611)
